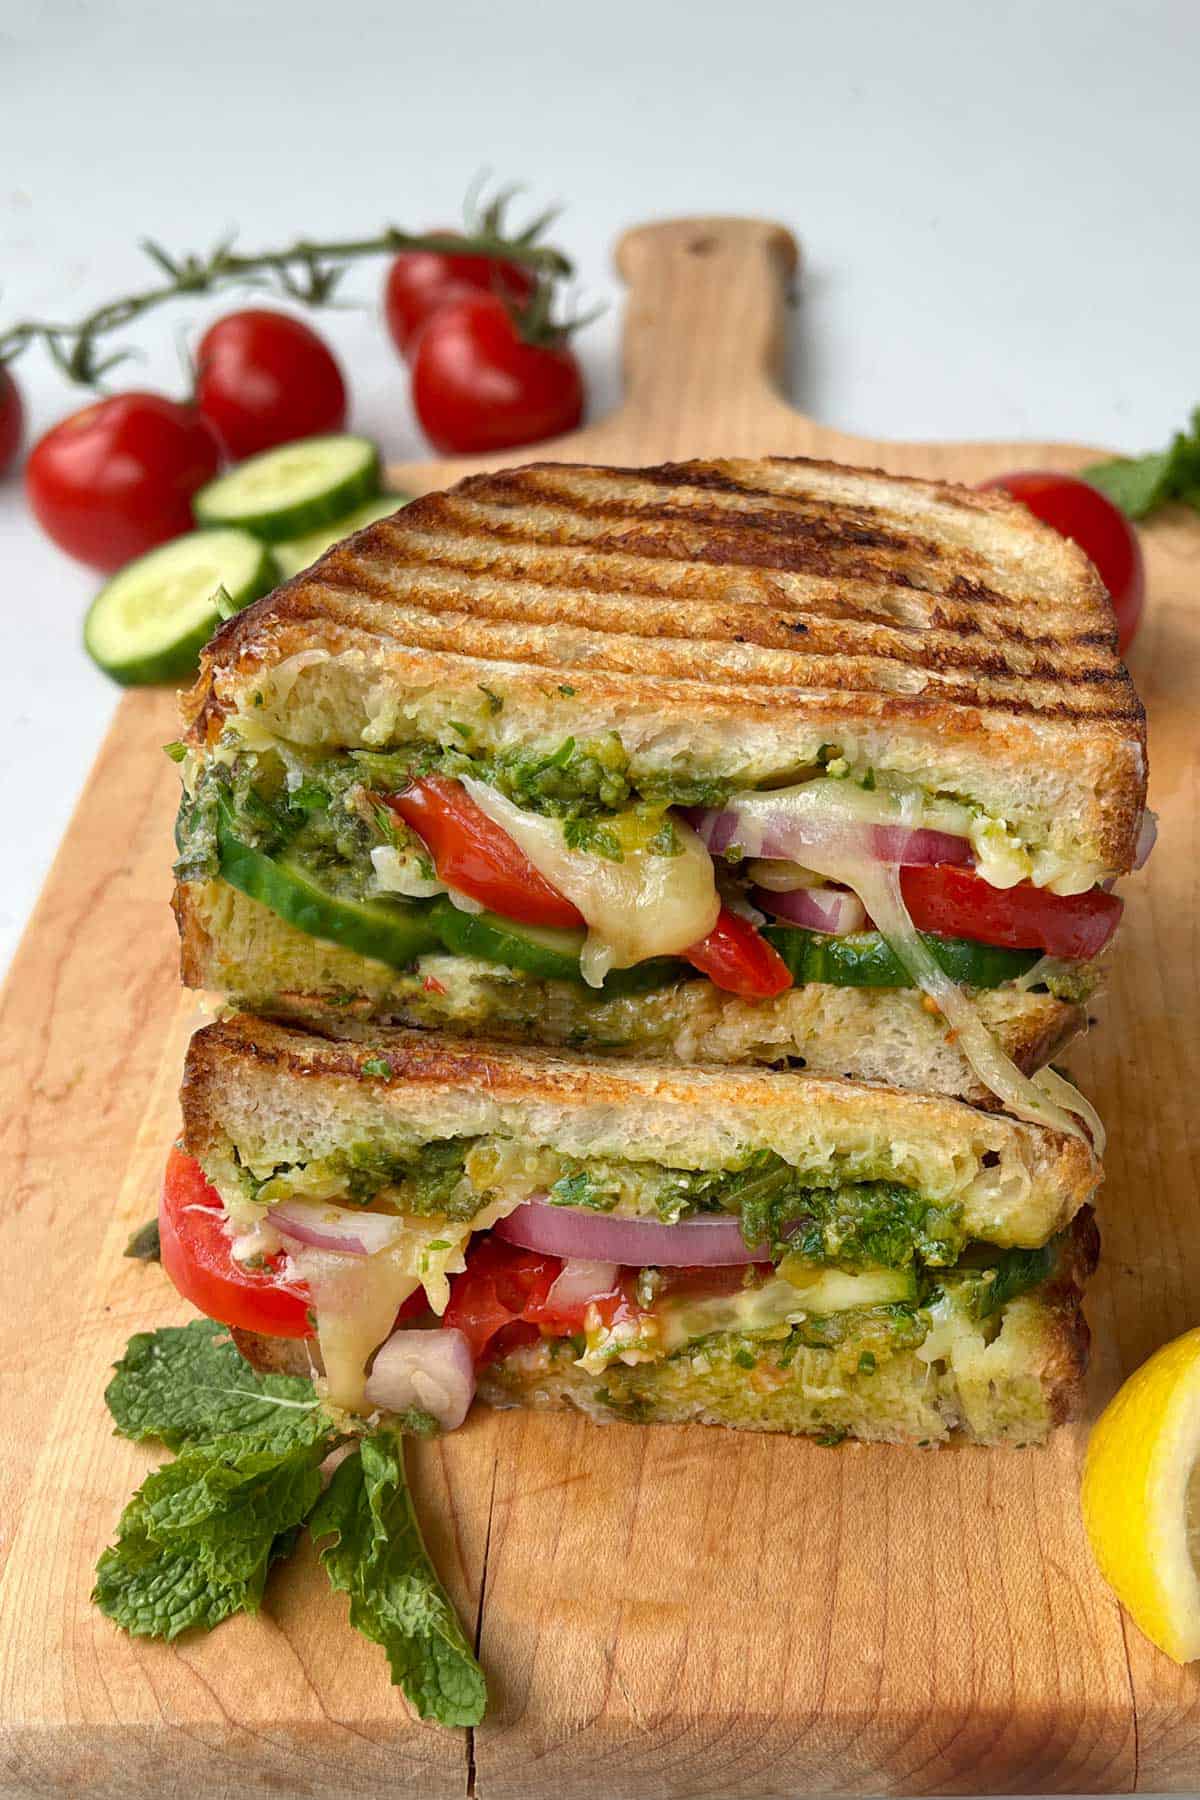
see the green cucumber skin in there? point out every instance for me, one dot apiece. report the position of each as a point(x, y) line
point(392, 932)
point(864, 959)
point(276, 523)
point(494, 939)
point(181, 660)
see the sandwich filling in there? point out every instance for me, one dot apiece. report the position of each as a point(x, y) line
point(561, 868)
point(378, 1248)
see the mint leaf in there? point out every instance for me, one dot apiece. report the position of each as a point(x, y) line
point(144, 1245)
point(377, 1556)
point(1136, 484)
point(196, 1541)
point(188, 1383)
point(1139, 484)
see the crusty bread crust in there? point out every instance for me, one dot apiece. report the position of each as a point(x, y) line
point(732, 614)
point(280, 1093)
point(233, 945)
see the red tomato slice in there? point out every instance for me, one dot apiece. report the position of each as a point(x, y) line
point(738, 959)
point(958, 903)
point(502, 1299)
point(197, 1257)
point(475, 856)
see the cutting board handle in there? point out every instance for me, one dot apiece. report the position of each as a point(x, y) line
point(718, 285)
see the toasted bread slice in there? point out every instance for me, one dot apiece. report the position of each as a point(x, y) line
point(1010, 1388)
point(235, 946)
point(265, 1094)
point(728, 617)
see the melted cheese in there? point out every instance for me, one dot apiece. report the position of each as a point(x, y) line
point(645, 905)
point(356, 1298)
point(1001, 856)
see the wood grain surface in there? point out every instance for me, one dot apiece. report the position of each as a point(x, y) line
point(662, 1613)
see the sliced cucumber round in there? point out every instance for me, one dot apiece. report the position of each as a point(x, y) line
point(151, 621)
point(538, 950)
point(295, 489)
point(296, 554)
point(395, 932)
point(824, 1290)
point(864, 959)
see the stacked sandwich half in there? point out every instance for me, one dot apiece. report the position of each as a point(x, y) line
point(653, 899)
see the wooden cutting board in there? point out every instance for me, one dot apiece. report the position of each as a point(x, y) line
point(664, 1612)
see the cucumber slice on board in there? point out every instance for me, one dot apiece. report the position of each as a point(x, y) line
point(538, 950)
point(395, 932)
point(295, 489)
point(298, 553)
point(151, 621)
point(863, 959)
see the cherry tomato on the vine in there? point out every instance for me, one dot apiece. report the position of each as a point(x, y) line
point(477, 385)
point(264, 378)
point(115, 480)
point(419, 282)
point(1077, 510)
point(12, 418)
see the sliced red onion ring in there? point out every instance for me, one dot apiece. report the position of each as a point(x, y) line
point(833, 910)
point(431, 1370)
point(714, 1241)
point(329, 1227)
point(782, 834)
point(581, 1281)
point(1146, 839)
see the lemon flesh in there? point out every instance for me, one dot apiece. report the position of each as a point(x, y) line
point(1141, 1497)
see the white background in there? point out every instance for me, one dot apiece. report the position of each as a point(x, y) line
point(998, 204)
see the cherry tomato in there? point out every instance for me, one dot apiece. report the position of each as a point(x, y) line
point(740, 961)
point(113, 481)
point(478, 386)
point(958, 903)
point(12, 418)
point(1077, 510)
point(197, 1257)
point(421, 281)
point(264, 378)
point(476, 857)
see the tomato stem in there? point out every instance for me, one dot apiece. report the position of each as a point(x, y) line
point(304, 270)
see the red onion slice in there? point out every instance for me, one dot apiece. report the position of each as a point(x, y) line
point(833, 910)
point(429, 1370)
point(1146, 839)
point(714, 1241)
point(781, 834)
point(328, 1227)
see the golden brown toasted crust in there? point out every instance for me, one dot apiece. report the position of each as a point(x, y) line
point(780, 599)
point(1070, 1341)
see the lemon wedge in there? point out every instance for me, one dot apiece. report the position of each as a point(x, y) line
point(1141, 1497)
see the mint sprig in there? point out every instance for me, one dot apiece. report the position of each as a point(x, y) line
point(376, 1555)
point(1141, 484)
point(196, 1542)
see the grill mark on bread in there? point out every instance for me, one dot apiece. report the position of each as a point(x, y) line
point(776, 668)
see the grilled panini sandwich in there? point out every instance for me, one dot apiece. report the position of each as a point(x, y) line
point(738, 1246)
point(733, 761)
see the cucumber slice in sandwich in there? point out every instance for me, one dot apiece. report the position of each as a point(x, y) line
point(395, 932)
point(539, 950)
point(296, 489)
point(151, 621)
point(296, 554)
point(864, 959)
